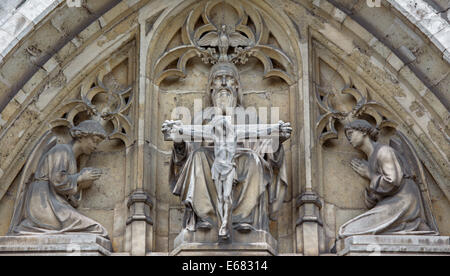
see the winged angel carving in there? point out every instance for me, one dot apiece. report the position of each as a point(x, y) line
point(397, 196)
point(51, 183)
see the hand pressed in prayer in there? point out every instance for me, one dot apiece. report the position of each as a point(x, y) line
point(88, 176)
point(360, 167)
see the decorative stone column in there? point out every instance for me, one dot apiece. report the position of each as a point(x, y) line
point(309, 224)
point(139, 221)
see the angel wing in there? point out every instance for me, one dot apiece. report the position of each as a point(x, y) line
point(236, 39)
point(402, 145)
point(45, 143)
point(210, 39)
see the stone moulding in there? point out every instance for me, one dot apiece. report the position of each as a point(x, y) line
point(139, 198)
point(429, 21)
point(309, 198)
point(256, 243)
point(394, 245)
point(56, 245)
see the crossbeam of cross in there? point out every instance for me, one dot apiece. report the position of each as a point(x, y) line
point(221, 129)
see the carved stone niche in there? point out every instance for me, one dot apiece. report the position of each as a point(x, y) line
point(52, 213)
point(398, 218)
point(226, 37)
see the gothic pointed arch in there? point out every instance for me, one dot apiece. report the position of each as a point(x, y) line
point(130, 64)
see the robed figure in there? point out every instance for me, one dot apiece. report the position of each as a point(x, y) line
point(51, 185)
point(257, 167)
point(397, 206)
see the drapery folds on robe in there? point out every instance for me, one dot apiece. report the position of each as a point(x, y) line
point(48, 201)
point(260, 180)
point(393, 197)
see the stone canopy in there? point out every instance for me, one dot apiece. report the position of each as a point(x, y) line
point(317, 63)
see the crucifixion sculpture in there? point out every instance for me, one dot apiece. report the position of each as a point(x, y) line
point(214, 158)
point(225, 137)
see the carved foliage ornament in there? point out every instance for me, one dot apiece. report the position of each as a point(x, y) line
point(218, 42)
point(114, 107)
point(329, 114)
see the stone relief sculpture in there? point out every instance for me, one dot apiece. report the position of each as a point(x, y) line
point(394, 199)
point(51, 183)
point(48, 201)
point(218, 40)
point(226, 180)
point(397, 196)
point(226, 176)
point(225, 38)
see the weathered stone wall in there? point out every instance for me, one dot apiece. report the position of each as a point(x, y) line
point(380, 50)
point(258, 93)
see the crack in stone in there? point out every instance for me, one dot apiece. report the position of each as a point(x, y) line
point(342, 208)
point(158, 150)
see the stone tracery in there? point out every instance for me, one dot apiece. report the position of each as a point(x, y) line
point(193, 31)
point(212, 41)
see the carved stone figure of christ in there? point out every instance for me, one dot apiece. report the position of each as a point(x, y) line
point(51, 190)
point(222, 173)
point(224, 136)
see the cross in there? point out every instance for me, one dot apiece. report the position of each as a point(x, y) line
point(220, 129)
point(225, 137)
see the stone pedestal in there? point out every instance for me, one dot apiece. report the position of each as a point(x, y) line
point(395, 245)
point(207, 243)
point(55, 245)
